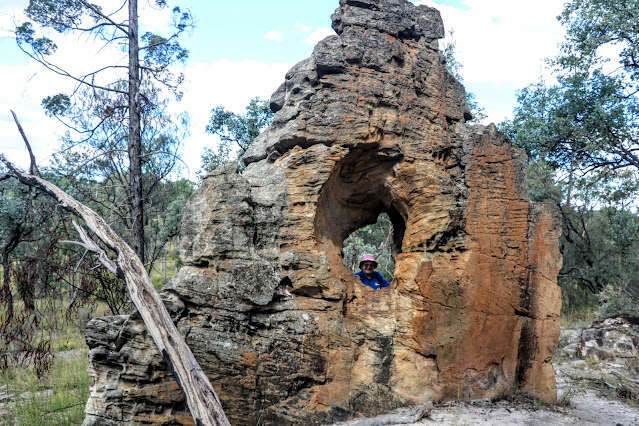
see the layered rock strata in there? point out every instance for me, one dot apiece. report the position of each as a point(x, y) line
point(372, 122)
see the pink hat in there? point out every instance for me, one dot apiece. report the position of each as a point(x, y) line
point(367, 258)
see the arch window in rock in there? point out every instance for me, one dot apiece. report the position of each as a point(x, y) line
point(357, 195)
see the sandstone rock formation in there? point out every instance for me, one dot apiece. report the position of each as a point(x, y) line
point(372, 122)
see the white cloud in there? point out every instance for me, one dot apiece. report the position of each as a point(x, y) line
point(503, 41)
point(303, 28)
point(317, 35)
point(153, 18)
point(231, 84)
point(274, 35)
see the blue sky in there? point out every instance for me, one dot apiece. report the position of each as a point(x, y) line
point(240, 50)
point(236, 30)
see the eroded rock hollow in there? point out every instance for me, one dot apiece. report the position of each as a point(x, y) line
point(372, 122)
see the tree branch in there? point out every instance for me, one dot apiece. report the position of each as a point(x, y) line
point(54, 68)
point(98, 12)
point(202, 400)
point(33, 168)
point(92, 247)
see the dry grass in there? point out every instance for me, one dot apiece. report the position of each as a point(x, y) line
point(579, 319)
point(59, 396)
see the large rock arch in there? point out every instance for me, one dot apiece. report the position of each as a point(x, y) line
point(371, 122)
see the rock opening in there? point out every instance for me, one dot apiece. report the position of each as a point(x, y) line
point(354, 196)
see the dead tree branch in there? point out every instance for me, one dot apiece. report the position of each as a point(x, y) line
point(33, 169)
point(93, 247)
point(201, 398)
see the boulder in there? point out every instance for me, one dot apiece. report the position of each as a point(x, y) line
point(372, 122)
point(612, 339)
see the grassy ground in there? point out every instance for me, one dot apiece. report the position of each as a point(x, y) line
point(58, 397)
point(158, 275)
point(579, 319)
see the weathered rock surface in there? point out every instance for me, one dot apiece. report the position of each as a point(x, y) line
point(372, 122)
point(601, 361)
point(612, 339)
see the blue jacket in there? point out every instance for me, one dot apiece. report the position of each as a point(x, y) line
point(377, 281)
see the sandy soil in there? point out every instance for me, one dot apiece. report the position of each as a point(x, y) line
point(580, 383)
point(587, 408)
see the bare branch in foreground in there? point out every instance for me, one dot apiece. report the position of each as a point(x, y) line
point(33, 169)
point(201, 398)
point(91, 246)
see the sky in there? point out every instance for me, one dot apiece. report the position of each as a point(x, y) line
point(240, 50)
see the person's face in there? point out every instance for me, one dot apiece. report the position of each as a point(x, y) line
point(368, 267)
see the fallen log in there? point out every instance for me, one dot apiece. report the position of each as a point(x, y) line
point(201, 398)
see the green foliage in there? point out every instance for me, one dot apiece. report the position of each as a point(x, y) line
point(236, 132)
point(41, 46)
point(61, 15)
point(163, 215)
point(581, 136)
point(13, 210)
point(589, 119)
point(586, 122)
point(376, 239)
point(56, 105)
point(30, 228)
point(542, 185)
point(614, 299)
point(593, 25)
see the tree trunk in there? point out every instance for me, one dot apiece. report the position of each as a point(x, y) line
point(135, 137)
point(201, 398)
point(571, 180)
point(164, 266)
point(6, 295)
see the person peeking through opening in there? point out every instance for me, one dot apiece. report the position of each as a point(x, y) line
point(369, 275)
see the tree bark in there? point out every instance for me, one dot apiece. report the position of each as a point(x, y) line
point(135, 136)
point(7, 295)
point(201, 398)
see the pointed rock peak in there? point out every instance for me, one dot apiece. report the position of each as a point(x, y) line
point(398, 18)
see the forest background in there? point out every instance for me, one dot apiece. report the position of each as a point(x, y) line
point(577, 120)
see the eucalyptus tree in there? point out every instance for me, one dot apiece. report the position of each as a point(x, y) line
point(236, 132)
point(589, 119)
point(115, 87)
point(581, 134)
point(96, 172)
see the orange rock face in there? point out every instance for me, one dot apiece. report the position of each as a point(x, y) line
point(371, 123)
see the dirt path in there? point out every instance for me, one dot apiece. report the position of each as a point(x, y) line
point(579, 382)
point(591, 392)
point(588, 407)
